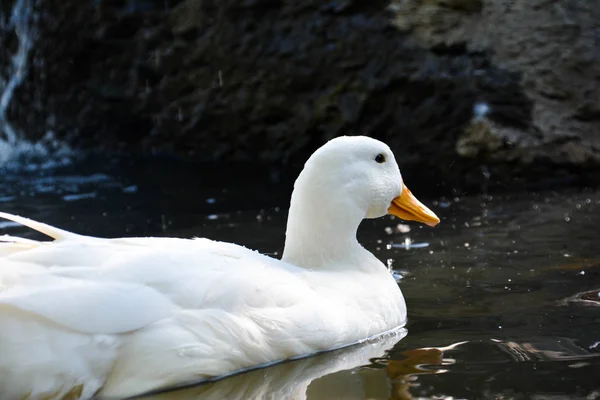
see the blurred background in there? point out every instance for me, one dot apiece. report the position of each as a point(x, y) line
point(193, 118)
point(465, 91)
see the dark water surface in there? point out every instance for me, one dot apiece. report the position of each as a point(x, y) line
point(502, 296)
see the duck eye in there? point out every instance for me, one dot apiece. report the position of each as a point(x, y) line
point(380, 158)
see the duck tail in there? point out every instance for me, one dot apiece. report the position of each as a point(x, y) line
point(13, 244)
point(48, 230)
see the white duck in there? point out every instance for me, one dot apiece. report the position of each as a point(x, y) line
point(83, 316)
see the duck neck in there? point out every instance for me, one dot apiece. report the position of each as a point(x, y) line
point(321, 233)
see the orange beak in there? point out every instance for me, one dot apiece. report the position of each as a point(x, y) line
point(407, 207)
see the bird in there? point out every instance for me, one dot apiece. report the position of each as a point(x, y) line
point(84, 317)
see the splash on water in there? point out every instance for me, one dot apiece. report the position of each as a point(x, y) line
point(15, 151)
point(46, 153)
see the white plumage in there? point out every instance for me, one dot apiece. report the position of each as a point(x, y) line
point(118, 317)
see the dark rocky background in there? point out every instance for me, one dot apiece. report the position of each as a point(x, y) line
point(467, 92)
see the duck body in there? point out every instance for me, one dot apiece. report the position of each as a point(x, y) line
point(84, 316)
point(147, 317)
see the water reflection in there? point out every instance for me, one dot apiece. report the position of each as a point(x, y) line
point(588, 298)
point(540, 367)
point(542, 349)
point(403, 371)
point(364, 371)
point(325, 376)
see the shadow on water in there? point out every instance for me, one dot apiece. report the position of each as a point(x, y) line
point(503, 296)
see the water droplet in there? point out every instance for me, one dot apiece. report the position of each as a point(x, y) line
point(444, 204)
point(467, 244)
point(402, 228)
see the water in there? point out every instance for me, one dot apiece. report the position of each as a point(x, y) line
point(502, 295)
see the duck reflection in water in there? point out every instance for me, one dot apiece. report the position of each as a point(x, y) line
point(351, 373)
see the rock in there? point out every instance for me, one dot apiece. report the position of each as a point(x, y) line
point(456, 87)
point(552, 47)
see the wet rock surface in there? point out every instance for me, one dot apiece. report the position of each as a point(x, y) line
point(475, 91)
point(552, 46)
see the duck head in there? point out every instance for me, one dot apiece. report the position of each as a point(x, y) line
point(362, 173)
point(348, 179)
